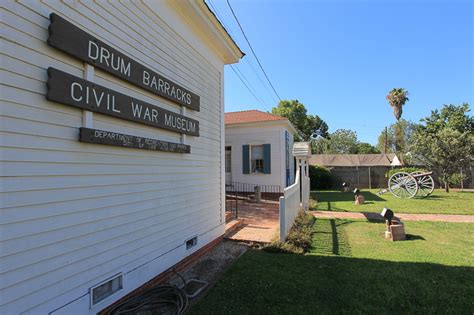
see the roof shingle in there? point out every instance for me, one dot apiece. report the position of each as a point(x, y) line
point(249, 116)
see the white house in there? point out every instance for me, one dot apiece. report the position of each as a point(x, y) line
point(258, 149)
point(112, 147)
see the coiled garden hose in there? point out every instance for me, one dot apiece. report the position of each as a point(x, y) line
point(162, 299)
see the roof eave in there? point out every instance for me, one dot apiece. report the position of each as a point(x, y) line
point(265, 122)
point(204, 22)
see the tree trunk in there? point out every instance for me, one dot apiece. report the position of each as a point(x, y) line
point(398, 137)
point(446, 186)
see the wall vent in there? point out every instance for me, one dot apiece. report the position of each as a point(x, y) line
point(191, 242)
point(105, 289)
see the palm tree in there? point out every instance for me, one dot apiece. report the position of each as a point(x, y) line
point(397, 98)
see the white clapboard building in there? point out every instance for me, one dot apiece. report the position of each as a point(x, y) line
point(258, 150)
point(112, 147)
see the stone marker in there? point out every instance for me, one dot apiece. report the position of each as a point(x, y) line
point(398, 232)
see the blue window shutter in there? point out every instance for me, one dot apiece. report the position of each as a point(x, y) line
point(267, 159)
point(245, 159)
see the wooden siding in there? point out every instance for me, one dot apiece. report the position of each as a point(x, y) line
point(236, 137)
point(73, 214)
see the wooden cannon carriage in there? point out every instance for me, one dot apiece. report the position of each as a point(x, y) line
point(408, 185)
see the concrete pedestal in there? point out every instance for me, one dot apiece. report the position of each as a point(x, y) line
point(359, 200)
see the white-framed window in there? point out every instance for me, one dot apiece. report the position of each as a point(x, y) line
point(256, 158)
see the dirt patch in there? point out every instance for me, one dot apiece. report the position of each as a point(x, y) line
point(211, 266)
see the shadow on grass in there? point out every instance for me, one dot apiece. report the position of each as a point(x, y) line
point(412, 237)
point(328, 281)
point(373, 217)
point(266, 283)
point(327, 239)
point(335, 196)
point(430, 197)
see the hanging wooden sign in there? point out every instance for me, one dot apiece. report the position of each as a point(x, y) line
point(122, 140)
point(71, 90)
point(72, 40)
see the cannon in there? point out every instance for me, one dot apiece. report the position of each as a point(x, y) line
point(408, 185)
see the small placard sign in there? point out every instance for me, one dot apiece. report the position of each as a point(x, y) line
point(122, 140)
point(71, 90)
point(72, 40)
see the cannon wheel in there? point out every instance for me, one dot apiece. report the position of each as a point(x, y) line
point(403, 185)
point(426, 184)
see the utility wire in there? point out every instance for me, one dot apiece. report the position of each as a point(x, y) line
point(251, 48)
point(240, 75)
point(272, 96)
point(262, 103)
point(247, 81)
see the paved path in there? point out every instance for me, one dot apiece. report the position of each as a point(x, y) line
point(260, 222)
point(402, 216)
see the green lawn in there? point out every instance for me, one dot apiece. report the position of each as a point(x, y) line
point(439, 202)
point(352, 269)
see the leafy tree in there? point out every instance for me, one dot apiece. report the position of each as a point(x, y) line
point(343, 141)
point(450, 116)
point(316, 127)
point(405, 130)
point(397, 98)
point(445, 141)
point(307, 125)
point(366, 148)
point(321, 145)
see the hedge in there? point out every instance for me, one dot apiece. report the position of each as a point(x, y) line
point(320, 177)
point(404, 169)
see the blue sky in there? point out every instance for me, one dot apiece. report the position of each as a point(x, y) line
point(340, 58)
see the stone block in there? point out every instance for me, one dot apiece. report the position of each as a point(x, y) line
point(398, 232)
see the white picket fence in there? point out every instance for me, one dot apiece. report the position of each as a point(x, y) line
point(293, 200)
point(305, 193)
point(289, 206)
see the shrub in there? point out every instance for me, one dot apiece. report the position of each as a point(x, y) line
point(456, 179)
point(299, 238)
point(282, 247)
point(404, 169)
point(303, 220)
point(320, 177)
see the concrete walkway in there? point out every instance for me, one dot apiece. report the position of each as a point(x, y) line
point(403, 216)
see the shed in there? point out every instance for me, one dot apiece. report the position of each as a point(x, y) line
point(360, 170)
